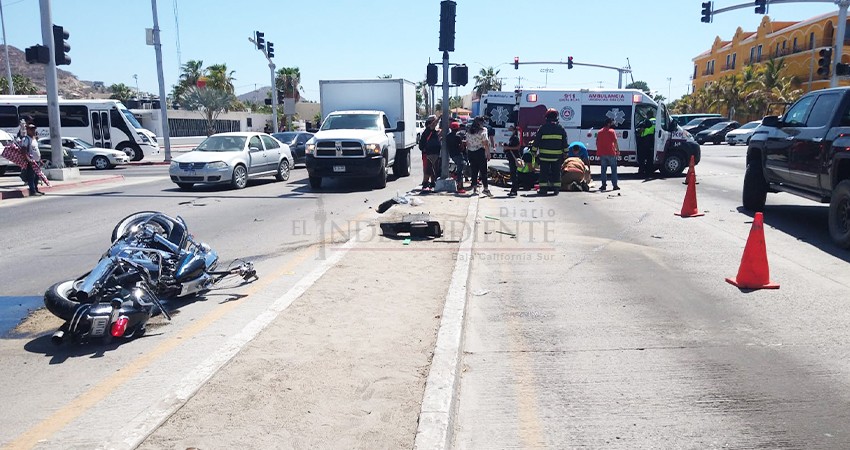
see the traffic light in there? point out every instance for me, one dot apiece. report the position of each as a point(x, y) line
point(258, 38)
point(824, 61)
point(37, 54)
point(60, 46)
point(431, 74)
point(842, 69)
point(761, 6)
point(460, 75)
point(269, 101)
point(516, 62)
point(706, 12)
point(270, 50)
point(447, 25)
point(280, 97)
point(569, 62)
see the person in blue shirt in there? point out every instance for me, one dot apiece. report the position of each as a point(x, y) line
point(578, 149)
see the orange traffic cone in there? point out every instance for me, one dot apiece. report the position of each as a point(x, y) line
point(691, 172)
point(753, 272)
point(689, 206)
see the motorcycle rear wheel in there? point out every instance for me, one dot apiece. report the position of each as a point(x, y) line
point(136, 218)
point(58, 302)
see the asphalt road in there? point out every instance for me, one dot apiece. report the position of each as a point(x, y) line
point(607, 322)
point(61, 393)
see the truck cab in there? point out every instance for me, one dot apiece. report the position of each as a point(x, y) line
point(357, 143)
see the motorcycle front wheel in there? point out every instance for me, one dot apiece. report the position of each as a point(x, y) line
point(58, 301)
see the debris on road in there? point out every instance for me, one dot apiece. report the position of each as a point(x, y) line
point(415, 225)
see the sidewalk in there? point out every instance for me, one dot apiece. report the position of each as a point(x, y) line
point(11, 186)
point(345, 364)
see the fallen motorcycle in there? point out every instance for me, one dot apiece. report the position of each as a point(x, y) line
point(152, 258)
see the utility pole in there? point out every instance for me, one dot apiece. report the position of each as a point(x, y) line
point(52, 89)
point(6, 50)
point(260, 43)
point(163, 100)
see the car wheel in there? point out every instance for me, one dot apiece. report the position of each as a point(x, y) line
point(754, 194)
point(839, 215)
point(316, 182)
point(100, 162)
point(674, 164)
point(185, 186)
point(401, 168)
point(240, 177)
point(131, 152)
point(282, 170)
point(732, 143)
point(380, 181)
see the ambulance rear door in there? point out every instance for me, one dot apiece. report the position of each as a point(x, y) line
point(663, 125)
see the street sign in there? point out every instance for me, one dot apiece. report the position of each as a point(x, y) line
point(149, 36)
point(289, 106)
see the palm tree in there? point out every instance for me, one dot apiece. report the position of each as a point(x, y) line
point(487, 80)
point(220, 78)
point(209, 102)
point(121, 92)
point(732, 94)
point(289, 79)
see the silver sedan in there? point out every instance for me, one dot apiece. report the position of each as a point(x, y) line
point(232, 158)
point(89, 155)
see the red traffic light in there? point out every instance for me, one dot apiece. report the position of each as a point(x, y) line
point(516, 62)
point(569, 62)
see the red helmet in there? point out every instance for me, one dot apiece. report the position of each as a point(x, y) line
point(454, 126)
point(551, 114)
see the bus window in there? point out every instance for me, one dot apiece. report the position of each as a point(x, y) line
point(8, 117)
point(74, 116)
point(38, 114)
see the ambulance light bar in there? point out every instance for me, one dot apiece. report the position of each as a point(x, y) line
point(636, 98)
point(531, 98)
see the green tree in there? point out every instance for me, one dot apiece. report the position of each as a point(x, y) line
point(209, 102)
point(487, 80)
point(23, 85)
point(289, 79)
point(121, 92)
point(219, 78)
point(639, 85)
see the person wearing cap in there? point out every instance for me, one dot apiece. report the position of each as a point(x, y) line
point(550, 144)
point(454, 144)
point(30, 145)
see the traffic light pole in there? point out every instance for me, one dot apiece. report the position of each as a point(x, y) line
point(447, 185)
point(620, 70)
point(160, 78)
point(276, 126)
point(52, 89)
point(839, 41)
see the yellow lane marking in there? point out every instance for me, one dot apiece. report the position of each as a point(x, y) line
point(61, 418)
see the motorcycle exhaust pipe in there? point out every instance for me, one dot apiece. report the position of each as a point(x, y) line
point(57, 337)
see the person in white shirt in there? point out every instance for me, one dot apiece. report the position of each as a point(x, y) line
point(30, 145)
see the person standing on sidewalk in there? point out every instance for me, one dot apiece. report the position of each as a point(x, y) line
point(454, 144)
point(478, 148)
point(30, 145)
point(550, 143)
point(608, 150)
point(512, 152)
point(430, 144)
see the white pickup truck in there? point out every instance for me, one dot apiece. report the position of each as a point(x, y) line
point(356, 144)
point(368, 127)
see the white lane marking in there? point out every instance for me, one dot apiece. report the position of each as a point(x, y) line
point(436, 416)
point(144, 424)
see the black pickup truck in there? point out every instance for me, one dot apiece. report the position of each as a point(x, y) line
point(805, 152)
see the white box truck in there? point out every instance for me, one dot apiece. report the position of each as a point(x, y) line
point(368, 126)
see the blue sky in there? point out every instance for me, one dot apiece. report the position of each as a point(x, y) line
point(340, 39)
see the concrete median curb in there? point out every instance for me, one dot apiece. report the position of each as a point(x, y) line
point(23, 191)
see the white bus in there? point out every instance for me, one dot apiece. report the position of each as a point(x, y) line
point(104, 123)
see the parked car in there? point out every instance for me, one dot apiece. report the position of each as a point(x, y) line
point(296, 140)
point(89, 155)
point(47, 157)
point(684, 119)
point(717, 133)
point(743, 134)
point(420, 127)
point(232, 158)
point(5, 164)
point(697, 125)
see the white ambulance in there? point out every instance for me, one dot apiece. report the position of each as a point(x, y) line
point(500, 110)
point(583, 113)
